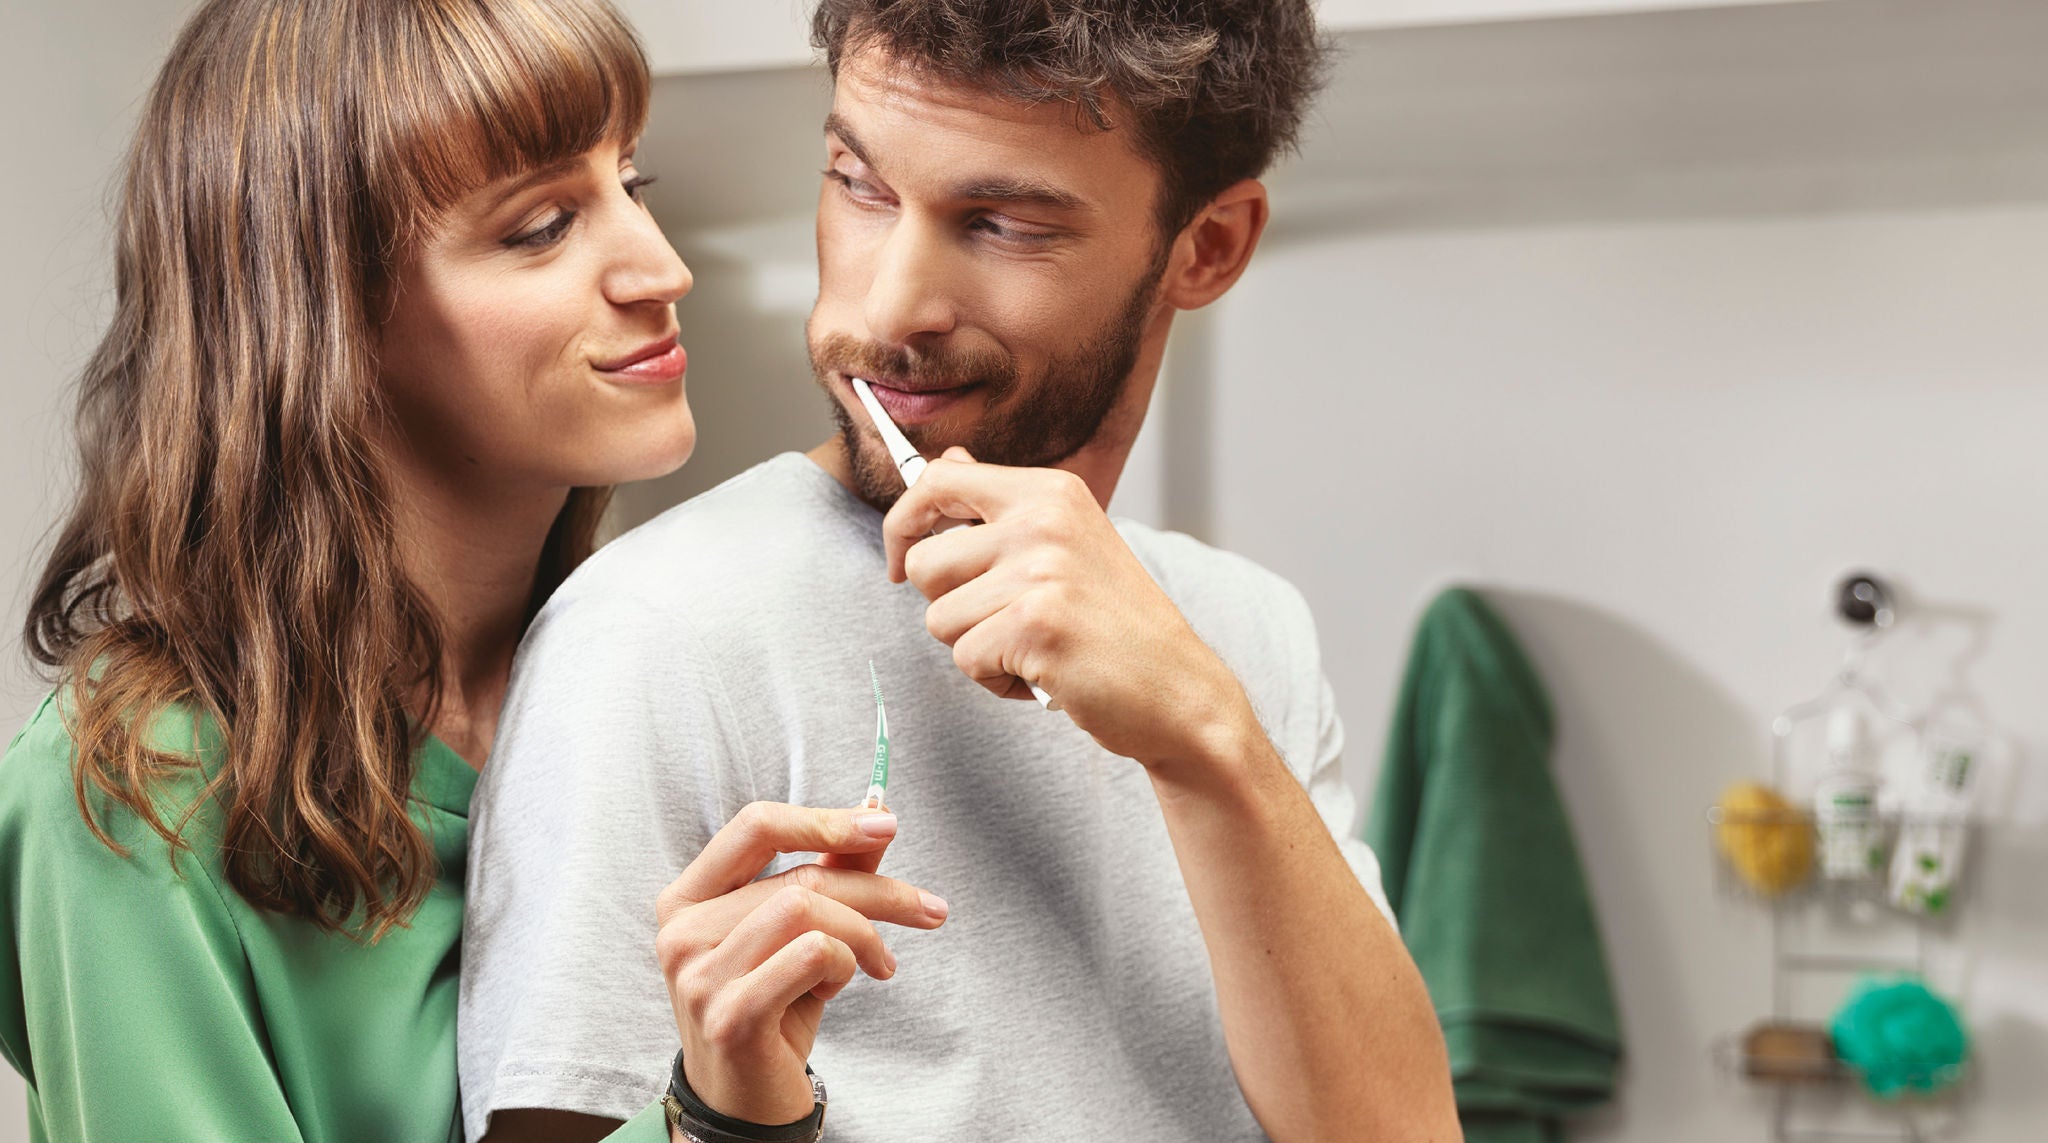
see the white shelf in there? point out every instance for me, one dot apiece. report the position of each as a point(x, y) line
point(1813, 106)
point(1354, 15)
point(1796, 108)
point(696, 37)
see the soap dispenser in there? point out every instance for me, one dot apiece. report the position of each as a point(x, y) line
point(1845, 817)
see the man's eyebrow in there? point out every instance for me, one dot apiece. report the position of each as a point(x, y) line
point(835, 125)
point(998, 188)
point(1028, 192)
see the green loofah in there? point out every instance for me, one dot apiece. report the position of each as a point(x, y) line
point(1901, 1038)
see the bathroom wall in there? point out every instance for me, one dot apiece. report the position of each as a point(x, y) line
point(1655, 445)
point(1652, 409)
point(70, 74)
point(1649, 327)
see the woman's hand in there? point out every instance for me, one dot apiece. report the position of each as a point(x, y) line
point(750, 964)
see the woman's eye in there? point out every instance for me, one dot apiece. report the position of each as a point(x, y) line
point(636, 184)
point(547, 234)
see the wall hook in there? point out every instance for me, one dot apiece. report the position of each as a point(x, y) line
point(1865, 601)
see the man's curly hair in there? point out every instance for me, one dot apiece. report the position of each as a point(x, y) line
point(1214, 90)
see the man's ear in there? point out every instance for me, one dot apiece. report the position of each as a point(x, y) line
point(1210, 253)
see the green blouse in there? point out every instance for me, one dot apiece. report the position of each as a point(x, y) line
point(141, 1001)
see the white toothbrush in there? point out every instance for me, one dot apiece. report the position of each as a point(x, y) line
point(911, 464)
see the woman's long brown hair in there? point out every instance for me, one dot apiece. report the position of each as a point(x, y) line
point(231, 552)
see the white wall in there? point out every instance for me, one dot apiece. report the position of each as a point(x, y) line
point(1651, 327)
point(70, 74)
point(1655, 445)
point(69, 77)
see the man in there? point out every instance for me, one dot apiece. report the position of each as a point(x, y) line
point(1152, 932)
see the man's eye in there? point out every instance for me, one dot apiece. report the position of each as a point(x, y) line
point(545, 235)
point(857, 189)
point(995, 228)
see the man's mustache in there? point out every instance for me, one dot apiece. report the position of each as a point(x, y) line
point(932, 369)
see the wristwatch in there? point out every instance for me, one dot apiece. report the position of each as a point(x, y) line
point(691, 1118)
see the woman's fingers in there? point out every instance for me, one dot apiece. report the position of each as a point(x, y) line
point(859, 862)
point(749, 963)
point(814, 964)
point(740, 1052)
point(704, 926)
point(790, 913)
point(739, 852)
point(741, 1021)
point(691, 945)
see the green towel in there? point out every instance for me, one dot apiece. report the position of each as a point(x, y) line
point(1482, 872)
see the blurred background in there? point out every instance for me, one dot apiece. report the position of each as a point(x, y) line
point(1648, 320)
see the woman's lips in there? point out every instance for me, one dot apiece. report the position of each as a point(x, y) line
point(915, 407)
point(656, 364)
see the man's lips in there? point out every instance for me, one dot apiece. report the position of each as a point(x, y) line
point(656, 362)
point(908, 405)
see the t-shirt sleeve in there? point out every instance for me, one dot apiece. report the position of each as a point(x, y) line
point(612, 765)
point(1266, 632)
point(1333, 798)
point(126, 1000)
point(1316, 740)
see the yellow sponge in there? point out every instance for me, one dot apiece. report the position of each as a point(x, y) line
point(1765, 838)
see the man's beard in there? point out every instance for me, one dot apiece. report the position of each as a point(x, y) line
point(1062, 415)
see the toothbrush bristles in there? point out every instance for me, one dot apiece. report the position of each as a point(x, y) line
point(877, 680)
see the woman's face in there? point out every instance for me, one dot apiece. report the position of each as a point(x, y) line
point(530, 340)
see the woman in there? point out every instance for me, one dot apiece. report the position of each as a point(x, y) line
point(390, 319)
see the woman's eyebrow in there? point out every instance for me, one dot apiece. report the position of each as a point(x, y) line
point(546, 172)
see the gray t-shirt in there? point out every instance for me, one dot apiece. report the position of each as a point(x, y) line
point(718, 655)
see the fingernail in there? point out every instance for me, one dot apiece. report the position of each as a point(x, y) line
point(889, 961)
point(876, 825)
point(934, 905)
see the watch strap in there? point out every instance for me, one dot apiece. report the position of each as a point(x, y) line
point(697, 1121)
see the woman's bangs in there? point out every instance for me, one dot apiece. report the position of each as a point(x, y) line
point(497, 87)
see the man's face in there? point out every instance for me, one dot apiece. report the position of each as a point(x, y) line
point(989, 266)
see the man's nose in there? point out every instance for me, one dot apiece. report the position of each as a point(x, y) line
point(908, 296)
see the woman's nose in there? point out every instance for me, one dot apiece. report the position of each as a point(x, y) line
point(645, 267)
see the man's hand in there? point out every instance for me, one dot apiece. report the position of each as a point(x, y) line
point(1045, 590)
point(1329, 1028)
point(750, 964)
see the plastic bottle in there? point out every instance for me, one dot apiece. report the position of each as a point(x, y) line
point(1935, 832)
point(1845, 818)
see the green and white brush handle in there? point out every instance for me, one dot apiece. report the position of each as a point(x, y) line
point(911, 464)
point(878, 778)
